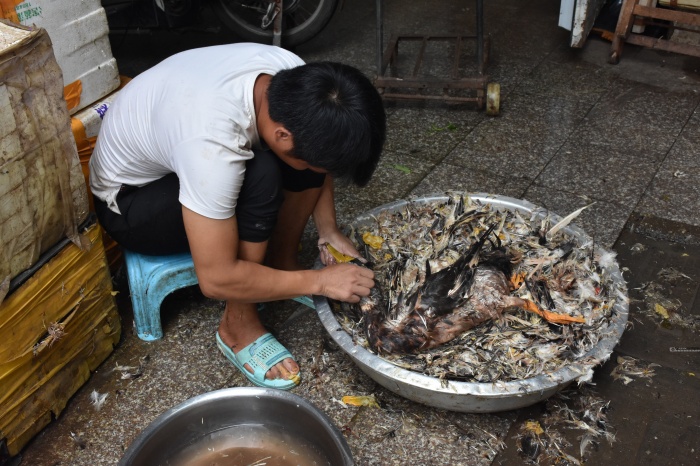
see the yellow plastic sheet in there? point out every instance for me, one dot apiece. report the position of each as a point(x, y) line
point(41, 370)
point(72, 93)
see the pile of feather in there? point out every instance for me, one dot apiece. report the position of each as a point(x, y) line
point(471, 291)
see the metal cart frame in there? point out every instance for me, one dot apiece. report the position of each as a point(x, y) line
point(391, 86)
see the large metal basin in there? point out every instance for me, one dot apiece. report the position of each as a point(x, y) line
point(196, 418)
point(475, 397)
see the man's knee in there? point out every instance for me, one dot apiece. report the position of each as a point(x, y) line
point(260, 198)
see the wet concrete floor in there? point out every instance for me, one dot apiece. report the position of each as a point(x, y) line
point(572, 130)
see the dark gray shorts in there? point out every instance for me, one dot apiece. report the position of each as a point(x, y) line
point(151, 220)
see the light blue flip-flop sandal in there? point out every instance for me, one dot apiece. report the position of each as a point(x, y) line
point(305, 300)
point(261, 356)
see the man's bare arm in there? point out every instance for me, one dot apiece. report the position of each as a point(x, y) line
point(223, 275)
point(325, 220)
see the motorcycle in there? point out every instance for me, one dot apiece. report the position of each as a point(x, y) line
point(251, 20)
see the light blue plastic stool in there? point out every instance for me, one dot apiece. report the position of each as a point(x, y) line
point(152, 278)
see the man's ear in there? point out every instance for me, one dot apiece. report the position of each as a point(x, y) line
point(282, 134)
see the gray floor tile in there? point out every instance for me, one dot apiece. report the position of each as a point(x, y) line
point(507, 73)
point(603, 221)
point(571, 78)
point(691, 129)
point(515, 35)
point(557, 114)
point(505, 148)
point(428, 133)
point(354, 46)
point(395, 177)
point(349, 206)
point(598, 173)
point(521, 44)
point(514, 56)
point(454, 178)
point(637, 118)
point(674, 192)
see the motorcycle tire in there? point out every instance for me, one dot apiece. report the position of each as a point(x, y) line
point(303, 19)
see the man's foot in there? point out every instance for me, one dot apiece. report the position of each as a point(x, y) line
point(240, 326)
point(261, 355)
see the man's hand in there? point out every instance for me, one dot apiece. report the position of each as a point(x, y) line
point(340, 242)
point(346, 282)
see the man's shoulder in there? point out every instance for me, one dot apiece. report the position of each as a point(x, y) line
point(261, 49)
point(243, 52)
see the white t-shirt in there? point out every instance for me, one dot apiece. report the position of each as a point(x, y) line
point(192, 115)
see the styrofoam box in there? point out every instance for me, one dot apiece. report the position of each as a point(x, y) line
point(80, 35)
point(86, 126)
point(91, 118)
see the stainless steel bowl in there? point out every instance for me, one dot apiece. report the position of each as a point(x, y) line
point(472, 397)
point(198, 417)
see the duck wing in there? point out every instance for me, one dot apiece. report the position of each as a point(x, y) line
point(442, 291)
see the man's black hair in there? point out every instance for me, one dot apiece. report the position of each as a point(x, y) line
point(335, 115)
